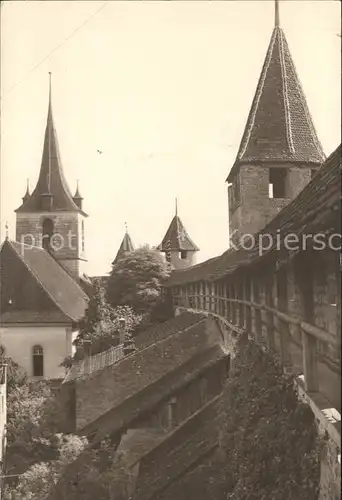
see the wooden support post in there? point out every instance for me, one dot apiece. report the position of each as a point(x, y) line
point(229, 304)
point(285, 339)
point(201, 293)
point(269, 315)
point(224, 295)
point(257, 323)
point(310, 362)
point(206, 298)
point(186, 300)
point(248, 313)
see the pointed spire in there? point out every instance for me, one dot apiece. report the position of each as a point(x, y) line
point(279, 127)
point(177, 238)
point(52, 191)
point(27, 194)
point(77, 198)
point(125, 247)
point(49, 125)
point(77, 195)
point(276, 14)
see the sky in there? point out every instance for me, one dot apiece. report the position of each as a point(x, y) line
point(163, 89)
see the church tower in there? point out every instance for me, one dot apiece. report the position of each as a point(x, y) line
point(51, 217)
point(177, 245)
point(279, 150)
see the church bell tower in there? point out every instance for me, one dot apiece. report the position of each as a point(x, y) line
point(50, 217)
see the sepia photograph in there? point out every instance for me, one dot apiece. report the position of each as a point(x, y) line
point(170, 250)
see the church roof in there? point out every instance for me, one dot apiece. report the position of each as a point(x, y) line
point(61, 288)
point(125, 247)
point(279, 126)
point(177, 238)
point(51, 177)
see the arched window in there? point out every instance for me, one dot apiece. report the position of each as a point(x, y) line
point(38, 361)
point(47, 233)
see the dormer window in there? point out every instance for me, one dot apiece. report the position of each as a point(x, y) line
point(183, 254)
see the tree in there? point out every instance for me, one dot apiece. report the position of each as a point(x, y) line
point(98, 313)
point(35, 451)
point(101, 324)
point(136, 280)
point(40, 478)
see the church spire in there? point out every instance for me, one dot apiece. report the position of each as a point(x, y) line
point(279, 127)
point(276, 14)
point(52, 192)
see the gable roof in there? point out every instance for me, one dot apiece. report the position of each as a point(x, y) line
point(279, 127)
point(177, 238)
point(66, 294)
point(51, 179)
point(125, 247)
point(310, 211)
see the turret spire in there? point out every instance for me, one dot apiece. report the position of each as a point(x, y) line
point(276, 15)
point(279, 127)
point(125, 247)
point(27, 194)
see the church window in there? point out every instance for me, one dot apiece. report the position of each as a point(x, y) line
point(38, 361)
point(82, 226)
point(277, 182)
point(47, 233)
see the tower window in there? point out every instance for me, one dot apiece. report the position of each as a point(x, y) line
point(38, 361)
point(183, 254)
point(313, 172)
point(47, 233)
point(82, 226)
point(277, 182)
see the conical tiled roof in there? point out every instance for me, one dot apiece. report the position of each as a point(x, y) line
point(177, 238)
point(51, 179)
point(125, 248)
point(279, 126)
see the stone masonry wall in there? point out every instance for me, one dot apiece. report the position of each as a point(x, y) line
point(256, 208)
point(67, 242)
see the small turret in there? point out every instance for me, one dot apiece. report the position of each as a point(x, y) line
point(125, 247)
point(178, 247)
point(77, 197)
point(27, 194)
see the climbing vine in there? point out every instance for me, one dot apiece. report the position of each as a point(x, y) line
point(269, 442)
